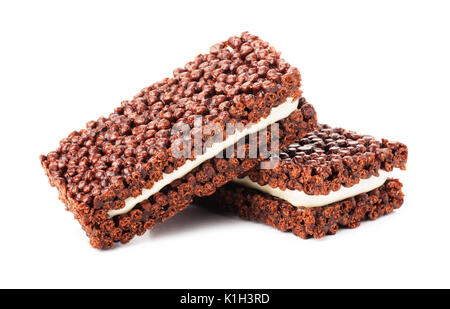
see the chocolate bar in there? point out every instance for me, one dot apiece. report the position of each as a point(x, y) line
point(124, 173)
point(328, 179)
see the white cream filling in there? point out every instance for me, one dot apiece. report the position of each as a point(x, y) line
point(277, 113)
point(300, 198)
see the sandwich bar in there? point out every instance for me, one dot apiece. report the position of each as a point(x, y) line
point(119, 176)
point(330, 178)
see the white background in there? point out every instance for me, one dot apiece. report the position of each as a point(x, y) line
point(377, 67)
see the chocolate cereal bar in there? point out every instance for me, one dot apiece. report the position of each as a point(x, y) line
point(328, 179)
point(125, 173)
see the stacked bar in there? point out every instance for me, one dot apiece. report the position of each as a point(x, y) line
point(120, 176)
point(328, 179)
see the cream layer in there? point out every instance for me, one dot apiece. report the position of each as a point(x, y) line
point(300, 198)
